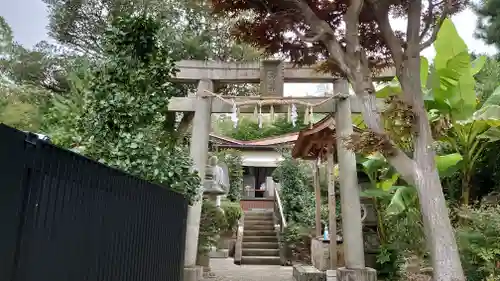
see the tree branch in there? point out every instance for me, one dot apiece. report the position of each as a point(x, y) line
point(306, 39)
point(428, 19)
point(328, 34)
point(393, 42)
point(413, 29)
point(445, 13)
point(352, 27)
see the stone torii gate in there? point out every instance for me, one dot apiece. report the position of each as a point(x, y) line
point(271, 74)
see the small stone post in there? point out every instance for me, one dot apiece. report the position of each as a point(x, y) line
point(349, 194)
point(199, 154)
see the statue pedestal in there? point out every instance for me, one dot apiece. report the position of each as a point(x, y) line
point(320, 253)
point(203, 260)
point(223, 246)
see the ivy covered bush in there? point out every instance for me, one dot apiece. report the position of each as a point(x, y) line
point(232, 214)
point(296, 196)
point(212, 221)
point(232, 158)
point(119, 113)
point(298, 207)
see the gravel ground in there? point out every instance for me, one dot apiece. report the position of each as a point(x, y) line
point(226, 270)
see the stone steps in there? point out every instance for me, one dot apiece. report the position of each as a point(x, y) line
point(260, 242)
point(259, 232)
point(260, 245)
point(260, 238)
point(261, 260)
point(261, 252)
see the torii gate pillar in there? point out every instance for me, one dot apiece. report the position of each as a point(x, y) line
point(349, 195)
point(199, 154)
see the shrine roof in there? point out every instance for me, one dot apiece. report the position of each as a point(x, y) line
point(264, 142)
point(318, 140)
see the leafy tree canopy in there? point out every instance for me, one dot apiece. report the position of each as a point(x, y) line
point(488, 21)
point(187, 27)
point(125, 99)
point(274, 21)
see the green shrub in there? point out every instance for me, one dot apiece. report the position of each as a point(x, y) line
point(232, 158)
point(296, 196)
point(296, 239)
point(212, 220)
point(232, 214)
point(479, 242)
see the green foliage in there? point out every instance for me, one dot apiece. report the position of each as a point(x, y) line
point(296, 239)
point(450, 99)
point(296, 196)
point(189, 29)
point(62, 121)
point(212, 221)
point(248, 128)
point(388, 185)
point(232, 158)
point(6, 38)
point(117, 112)
point(479, 242)
point(488, 22)
point(232, 214)
point(487, 79)
point(389, 262)
point(22, 106)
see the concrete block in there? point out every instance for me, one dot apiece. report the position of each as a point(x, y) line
point(193, 273)
point(320, 254)
point(331, 275)
point(364, 274)
point(307, 273)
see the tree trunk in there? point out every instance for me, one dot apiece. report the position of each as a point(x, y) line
point(465, 197)
point(423, 174)
point(439, 232)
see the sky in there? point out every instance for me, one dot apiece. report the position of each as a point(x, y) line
point(29, 19)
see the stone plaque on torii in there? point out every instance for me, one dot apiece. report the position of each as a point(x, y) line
point(271, 75)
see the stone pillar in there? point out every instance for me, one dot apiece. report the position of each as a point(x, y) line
point(272, 78)
point(349, 192)
point(349, 195)
point(199, 154)
point(332, 206)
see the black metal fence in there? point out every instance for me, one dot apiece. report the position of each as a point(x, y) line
point(66, 218)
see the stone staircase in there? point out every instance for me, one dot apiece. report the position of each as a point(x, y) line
point(260, 241)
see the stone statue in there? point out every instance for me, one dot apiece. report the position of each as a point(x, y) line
point(222, 175)
point(216, 180)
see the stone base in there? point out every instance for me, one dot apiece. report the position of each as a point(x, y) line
point(331, 275)
point(365, 274)
point(307, 273)
point(220, 254)
point(193, 273)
